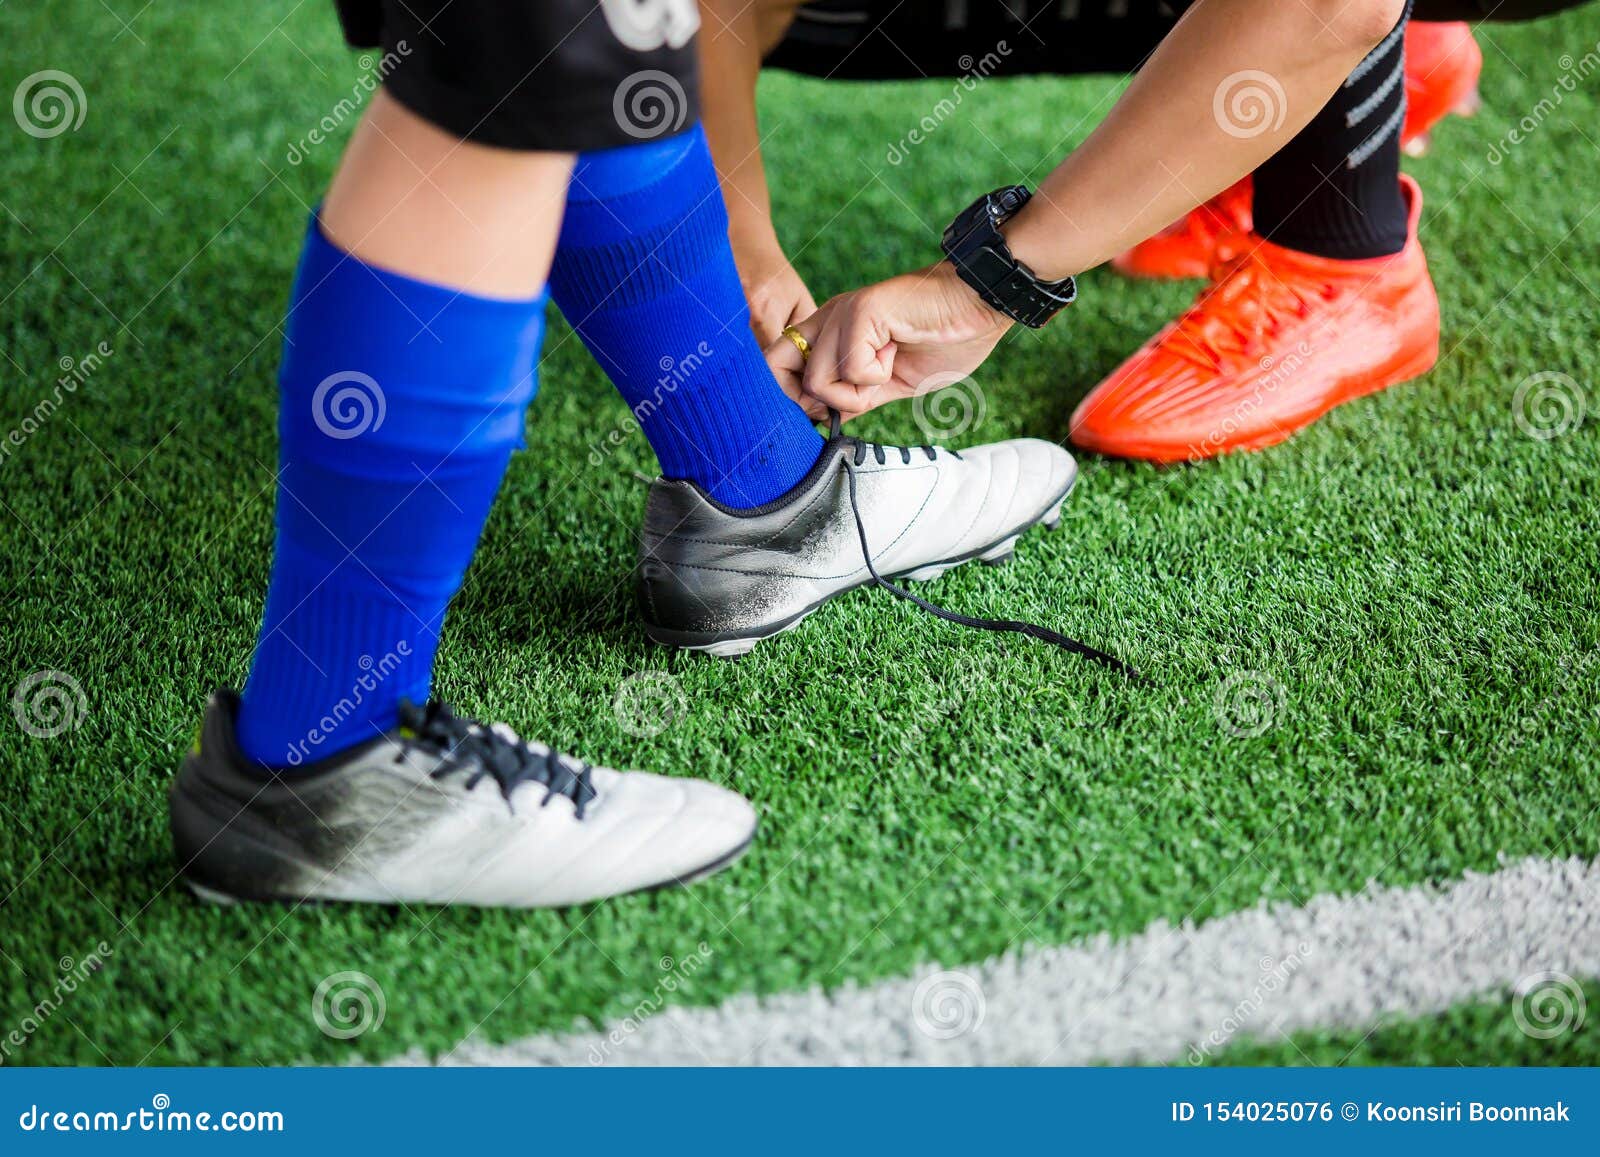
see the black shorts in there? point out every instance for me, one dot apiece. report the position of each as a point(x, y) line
point(903, 39)
point(550, 75)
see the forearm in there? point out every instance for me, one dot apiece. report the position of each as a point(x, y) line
point(733, 34)
point(1187, 127)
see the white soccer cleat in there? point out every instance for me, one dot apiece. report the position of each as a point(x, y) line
point(720, 580)
point(444, 810)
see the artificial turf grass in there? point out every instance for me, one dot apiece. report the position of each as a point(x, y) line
point(1415, 573)
point(1478, 1033)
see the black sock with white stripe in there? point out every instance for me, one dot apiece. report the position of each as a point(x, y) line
point(1335, 189)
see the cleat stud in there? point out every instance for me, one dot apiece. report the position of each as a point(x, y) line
point(731, 648)
point(209, 895)
point(1000, 553)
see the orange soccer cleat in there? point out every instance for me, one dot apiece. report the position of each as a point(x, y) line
point(1192, 247)
point(1443, 63)
point(1276, 341)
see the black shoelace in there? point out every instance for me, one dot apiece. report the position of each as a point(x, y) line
point(1012, 626)
point(464, 744)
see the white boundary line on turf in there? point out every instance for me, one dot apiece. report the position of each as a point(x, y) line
point(1338, 962)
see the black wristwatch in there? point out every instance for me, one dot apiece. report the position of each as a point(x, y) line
point(974, 245)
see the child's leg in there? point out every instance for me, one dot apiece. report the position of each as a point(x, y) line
point(646, 276)
point(409, 359)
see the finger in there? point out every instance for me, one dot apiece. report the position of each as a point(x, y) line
point(866, 352)
point(815, 408)
point(786, 370)
point(768, 325)
point(803, 307)
point(789, 382)
point(787, 364)
point(836, 395)
point(821, 330)
point(785, 358)
point(874, 394)
point(823, 378)
point(812, 324)
point(852, 400)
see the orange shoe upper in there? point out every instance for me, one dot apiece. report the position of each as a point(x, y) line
point(1190, 247)
point(1277, 340)
point(1443, 63)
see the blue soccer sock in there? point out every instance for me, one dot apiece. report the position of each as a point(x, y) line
point(645, 274)
point(400, 403)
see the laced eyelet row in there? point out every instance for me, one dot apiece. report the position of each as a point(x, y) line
point(464, 745)
point(880, 453)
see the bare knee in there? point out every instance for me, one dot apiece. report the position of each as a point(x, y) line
point(1358, 23)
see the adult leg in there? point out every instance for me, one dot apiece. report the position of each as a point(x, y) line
point(1334, 190)
point(1330, 299)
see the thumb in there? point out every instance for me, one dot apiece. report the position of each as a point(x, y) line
point(788, 365)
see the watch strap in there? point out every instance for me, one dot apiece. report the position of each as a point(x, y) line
point(975, 246)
